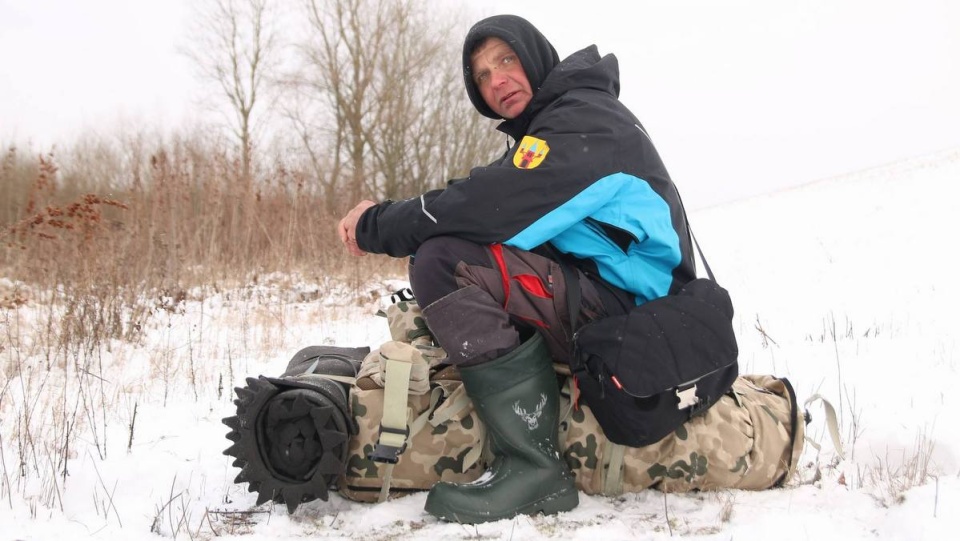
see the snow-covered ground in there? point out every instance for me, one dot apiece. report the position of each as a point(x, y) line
point(845, 286)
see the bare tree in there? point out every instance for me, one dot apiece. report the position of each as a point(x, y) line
point(385, 79)
point(236, 46)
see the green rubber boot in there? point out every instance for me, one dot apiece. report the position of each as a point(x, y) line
point(516, 396)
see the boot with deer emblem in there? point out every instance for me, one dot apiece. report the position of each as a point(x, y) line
point(517, 397)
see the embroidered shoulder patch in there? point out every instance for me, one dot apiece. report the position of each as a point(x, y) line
point(531, 153)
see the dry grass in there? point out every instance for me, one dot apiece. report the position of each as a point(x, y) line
point(176, 213)
point(891, 477)
point(97, 242)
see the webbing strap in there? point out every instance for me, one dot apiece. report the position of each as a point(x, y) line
point(415, 427)
point(421, 421)
point(474, 454)
point(613, 453)
point(385, 487)
point(455, 404)
point(832, 426)
point(393, 422)
point(613, 477)
point(566, 412)
point(395, 390)
point(454, 407)
point(686, 220)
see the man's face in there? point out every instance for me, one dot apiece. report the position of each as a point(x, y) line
point(500, 78)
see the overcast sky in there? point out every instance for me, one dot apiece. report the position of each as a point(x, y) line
point(741, 97)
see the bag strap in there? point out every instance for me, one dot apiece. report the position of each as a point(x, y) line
point(393, 425)
point(415, 427)
point(395, 433)
point(613, 454)
point(832, 425)
point(572, 282)
point(405, 372)
point(611, 463)
point(706, 266)
point(686, 220)
point(454, 404)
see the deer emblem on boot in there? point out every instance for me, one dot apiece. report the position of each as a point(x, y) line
point(533, 418)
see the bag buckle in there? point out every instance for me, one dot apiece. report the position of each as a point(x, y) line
point(687, 398)
point(698, 408)
point(402, 295)
point(389, 454)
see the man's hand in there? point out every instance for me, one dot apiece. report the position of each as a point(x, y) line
point(347, 228)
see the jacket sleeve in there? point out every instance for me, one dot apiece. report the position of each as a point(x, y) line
point(498, 202)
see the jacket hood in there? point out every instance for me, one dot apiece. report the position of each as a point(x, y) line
point(536, 54)
point(583, 70)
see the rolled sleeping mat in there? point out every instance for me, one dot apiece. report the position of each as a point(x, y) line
point(291, 433)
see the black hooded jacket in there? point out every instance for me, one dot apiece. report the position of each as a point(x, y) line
point(537, 55)
point(582, 175)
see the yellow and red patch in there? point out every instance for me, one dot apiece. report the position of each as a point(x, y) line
point(531, 153)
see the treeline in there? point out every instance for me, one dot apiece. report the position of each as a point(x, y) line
point(359, 99)
point(369, 92)
point(365, 100)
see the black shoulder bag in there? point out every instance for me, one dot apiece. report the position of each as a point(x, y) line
point(646, 372)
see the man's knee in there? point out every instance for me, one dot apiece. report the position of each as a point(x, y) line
point(433, 267)
point(446, 253)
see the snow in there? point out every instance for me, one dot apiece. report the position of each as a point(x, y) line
point(843, 285)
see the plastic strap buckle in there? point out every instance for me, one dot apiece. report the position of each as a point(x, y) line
point(389, 454)
point(700, 406)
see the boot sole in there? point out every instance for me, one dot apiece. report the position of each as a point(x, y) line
point(549, 505)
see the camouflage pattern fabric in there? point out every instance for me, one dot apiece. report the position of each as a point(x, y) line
point(406, 322)
point(408, 326)
point(446, 447)
point(446, 438)
point(744, 441)
point(374, 365)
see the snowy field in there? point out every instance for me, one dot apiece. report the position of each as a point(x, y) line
point(844, 286)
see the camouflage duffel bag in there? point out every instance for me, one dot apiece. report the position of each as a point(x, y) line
point(399, 421)
point(750, 439)
point(442, 441)
point(416, 425)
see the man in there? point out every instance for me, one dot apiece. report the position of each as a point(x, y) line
point(581, 183)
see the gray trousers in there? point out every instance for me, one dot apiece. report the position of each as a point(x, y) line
point(481, 302)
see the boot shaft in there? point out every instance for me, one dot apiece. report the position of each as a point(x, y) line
point(517, 398)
